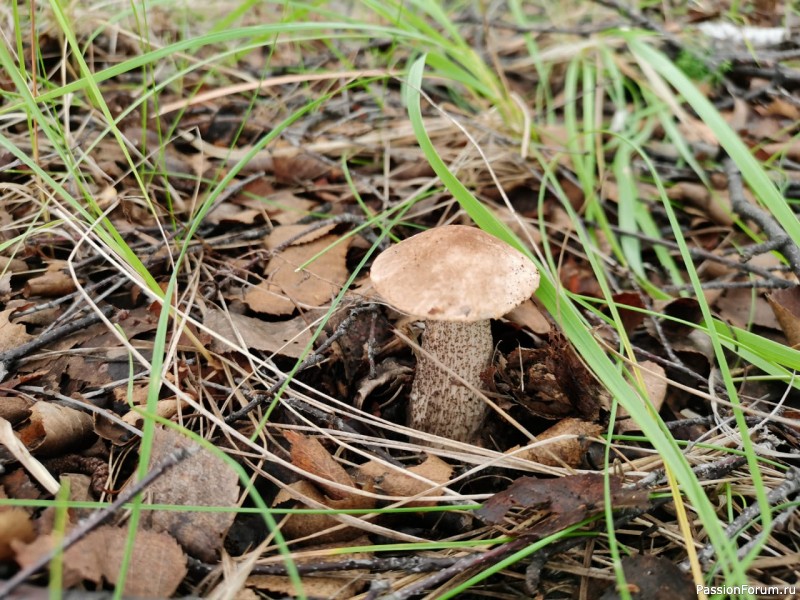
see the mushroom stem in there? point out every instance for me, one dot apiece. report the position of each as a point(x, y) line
point(439, 403)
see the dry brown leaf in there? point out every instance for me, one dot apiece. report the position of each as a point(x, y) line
point(285, 288)
point(228, 212)
point(696, 132)
point(56, 429)
point(786, 306)
point(282, 206)
point(12, 265)
point(529, 315)
point(567, 452)
point(288, 338)
point(201, 480)
point(11, 334)
point(311, 456)
point(395, 482)
point(17, 484)
point(778, 107)
point(299, 166)
point(714, 204)
point(49, 285)
point(653, 578)
point(15, 525)
point(340, 585)
point(743, 309)
point(296, 235)
point(15, 409)
point(157, 564)
point(655, 383)
point(301, 526)
point(564, 500)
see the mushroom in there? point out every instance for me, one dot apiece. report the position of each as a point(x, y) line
point(456, 278)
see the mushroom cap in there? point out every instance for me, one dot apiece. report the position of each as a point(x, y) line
point(454, 273)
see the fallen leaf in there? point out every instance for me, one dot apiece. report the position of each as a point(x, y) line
point(156, 568)
point(56, 429)
point(655, 385)
point(528, 315)
point(15, 524)
point(298, 495)
point(397, 482)
point(14, 409)
point(286, 287)
point(287, 338)
point(715, 204)
point(565, 500)
point(49, 285)
point(11, 334)
point(569, 451)
point(551, 382)
point(298, 166)
point(652, 578)
point(201, 480)
point(786, 306)
point(311, 456)
point(743, 309)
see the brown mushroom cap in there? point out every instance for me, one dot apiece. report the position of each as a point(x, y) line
point(454, 273)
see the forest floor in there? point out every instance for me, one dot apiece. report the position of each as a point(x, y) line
point(203, 395)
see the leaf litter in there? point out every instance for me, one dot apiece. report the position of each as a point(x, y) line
point(260, 274)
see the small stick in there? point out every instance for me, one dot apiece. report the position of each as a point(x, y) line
point(767, 223)
point(9, 357)
point(790, 486)
point(311, 360)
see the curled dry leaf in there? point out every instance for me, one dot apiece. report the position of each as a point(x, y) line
point(12, 265)
point(551, 382)
point(655, 385)
point(302, 494)
point(51, 284)
point(15, 409)
point(309, 455)
point(56, 429)
point(20, 452)
point(786, 306)
point(569, 451)
point(156, 568)
point(203, 479)
point(288, 338)
point(396, 482)
point(565, 500)
point(529, 315)
point(299, 166)
point(715, 204)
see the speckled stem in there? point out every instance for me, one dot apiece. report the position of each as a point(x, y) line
point(439, 404)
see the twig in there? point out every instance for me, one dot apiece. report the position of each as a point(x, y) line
point(487, 558)
point(544, 27)
point(98, 518)
point(304, 407)
point(759, 284)
point(407, 564)
point(790, 486)
point(767, 223)
point(312, 359)
point(9, 357)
